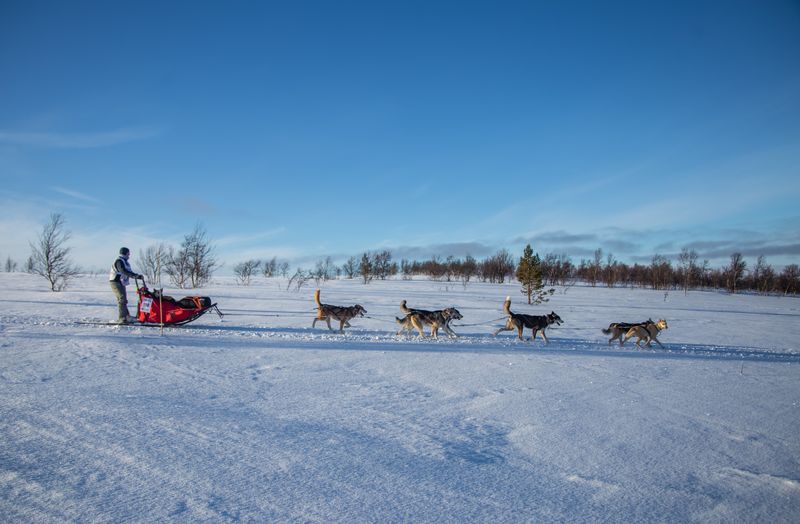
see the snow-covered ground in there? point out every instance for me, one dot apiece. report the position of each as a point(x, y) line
point(259, 418)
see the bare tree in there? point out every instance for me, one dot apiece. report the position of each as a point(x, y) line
point(735, 271)
point(365, 268)
point(153, 261)
point(498, 267)
point(244, 271)
point(790, 279)
point(269, 268)
point(611, 271)
point(382, 265)
point(50, 256)
point(596, 267)
point(178, 267)
point(299, 279)
point(194, 263)
point(688, 265)
point(660, 270)
point(350, 268)
point(11, 266)
point(763, 276)
point(467, 270)
point(324, 270)
point(283, 269)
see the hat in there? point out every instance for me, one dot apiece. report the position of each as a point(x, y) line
point(124, 251)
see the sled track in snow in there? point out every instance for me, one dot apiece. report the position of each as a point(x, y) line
point(373, 340)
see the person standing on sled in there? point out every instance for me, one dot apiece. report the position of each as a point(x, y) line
point(119, 277)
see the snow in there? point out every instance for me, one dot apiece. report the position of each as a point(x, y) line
point(259, 418)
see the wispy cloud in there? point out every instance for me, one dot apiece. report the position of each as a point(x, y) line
point(557, 237)
point(66, 140)
point(233, 240)
point(456, 249)
point(198, 207)
point(75, 194)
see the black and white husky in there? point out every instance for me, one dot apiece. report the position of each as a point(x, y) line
point(519, 321)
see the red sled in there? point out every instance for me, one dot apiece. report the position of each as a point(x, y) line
point(156, 308)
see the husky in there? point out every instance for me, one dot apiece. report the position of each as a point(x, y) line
point(343, 314)
point(519, 322)
point(617, 330)
point(647, 333)
point(417, 318)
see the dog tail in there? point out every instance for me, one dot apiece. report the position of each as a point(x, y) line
point(316, 298)
point(507, 305)
point(403, 307)
point(607, 331)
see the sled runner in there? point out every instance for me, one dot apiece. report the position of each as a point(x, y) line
point(156, 308)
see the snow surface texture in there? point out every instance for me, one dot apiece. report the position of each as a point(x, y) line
point(259, 418)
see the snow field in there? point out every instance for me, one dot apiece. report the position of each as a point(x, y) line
point(259, 418)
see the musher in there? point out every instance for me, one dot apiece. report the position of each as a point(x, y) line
point(119, 276)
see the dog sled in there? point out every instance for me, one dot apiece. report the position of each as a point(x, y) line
point(155, 308)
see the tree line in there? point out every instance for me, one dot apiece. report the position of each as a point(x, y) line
point(687, 273)
point(193, 263)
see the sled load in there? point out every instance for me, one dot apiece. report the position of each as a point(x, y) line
point(156, 308)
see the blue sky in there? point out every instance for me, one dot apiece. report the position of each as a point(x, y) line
point(306, 129)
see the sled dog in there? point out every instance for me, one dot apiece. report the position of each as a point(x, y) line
point(647, 333)
point(520, 321)
point(617, 330)
point(343, 314)
point(417, 318)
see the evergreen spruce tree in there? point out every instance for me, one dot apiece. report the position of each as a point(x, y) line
point(529, 274)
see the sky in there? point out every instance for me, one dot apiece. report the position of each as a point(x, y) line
point(309, 129)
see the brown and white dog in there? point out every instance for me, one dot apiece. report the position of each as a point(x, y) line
point(417, 318)
point(520, 321)
point(617, 330)
point(343, 314)
point(647, 333)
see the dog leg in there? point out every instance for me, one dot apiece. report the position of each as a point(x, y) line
point(506, 328)
point(328, 321)
point(545, 338)
point(417, 324)
point(658, 342)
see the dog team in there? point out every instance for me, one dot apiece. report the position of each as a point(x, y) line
point(646, 331)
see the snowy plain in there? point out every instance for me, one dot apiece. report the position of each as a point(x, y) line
point(260, 418)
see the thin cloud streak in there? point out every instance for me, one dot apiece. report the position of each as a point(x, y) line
point(232, 240)
point(75, 194)
point(78, 140)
